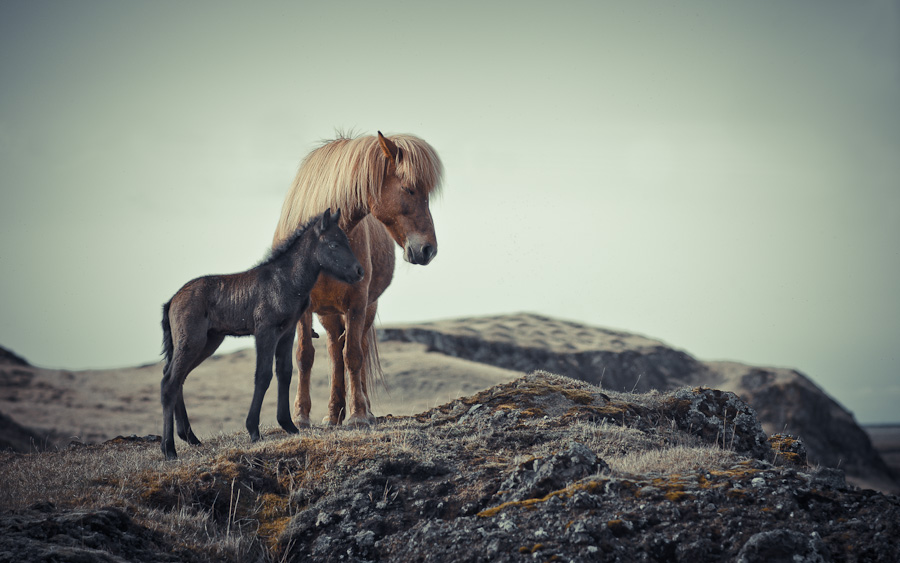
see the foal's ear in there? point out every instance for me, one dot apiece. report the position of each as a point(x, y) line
point(391, 151)
point(323, 223)
point(328, 220)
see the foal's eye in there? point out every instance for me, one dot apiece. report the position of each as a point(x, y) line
point(333, 245)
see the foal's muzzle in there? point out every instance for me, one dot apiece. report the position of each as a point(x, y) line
point(357, 275)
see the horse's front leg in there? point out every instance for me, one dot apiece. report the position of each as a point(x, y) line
point(354, 359)
point(334, 327)
point(265, 350)
point(306, 354)
point(283, 371)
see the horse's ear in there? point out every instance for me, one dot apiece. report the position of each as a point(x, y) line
point(390, 150)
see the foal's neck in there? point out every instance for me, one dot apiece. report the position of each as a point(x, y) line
point(305, 266)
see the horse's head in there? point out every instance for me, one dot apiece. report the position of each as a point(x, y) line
point(403, 208)
point(333, 249)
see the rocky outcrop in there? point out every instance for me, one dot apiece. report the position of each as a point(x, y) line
point(455, 498)
point(44, 533)
point(785, 400)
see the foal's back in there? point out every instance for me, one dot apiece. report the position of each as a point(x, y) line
point(223, 303)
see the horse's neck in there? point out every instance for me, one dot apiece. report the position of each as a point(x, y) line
point(352, 219)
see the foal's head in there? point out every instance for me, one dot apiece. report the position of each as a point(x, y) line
point(333, 249)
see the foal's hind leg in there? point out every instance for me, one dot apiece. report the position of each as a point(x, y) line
point(182, 424)
point(170, 391)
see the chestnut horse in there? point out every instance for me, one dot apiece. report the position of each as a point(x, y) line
point(383, 185)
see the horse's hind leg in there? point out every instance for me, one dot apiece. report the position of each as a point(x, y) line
point(306, 354)
point(370, 359)
point(334, 326)
point(284, 370)
point(182, 424)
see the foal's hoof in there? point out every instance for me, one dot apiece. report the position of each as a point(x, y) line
point(289, 427)
point(169, 452)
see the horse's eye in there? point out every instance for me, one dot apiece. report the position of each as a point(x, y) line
point(407, 190)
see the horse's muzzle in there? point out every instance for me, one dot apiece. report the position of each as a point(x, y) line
point(419, 254)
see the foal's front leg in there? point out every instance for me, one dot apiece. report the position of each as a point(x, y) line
point(265, 350)
point(284, 368)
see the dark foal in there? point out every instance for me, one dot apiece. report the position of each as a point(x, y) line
point(265, 301)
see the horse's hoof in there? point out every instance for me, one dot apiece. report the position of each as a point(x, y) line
point(303, 422)
point(359, 421)
point(328, 421)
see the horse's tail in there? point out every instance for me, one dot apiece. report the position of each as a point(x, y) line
point(168, 347)
point(373, 362)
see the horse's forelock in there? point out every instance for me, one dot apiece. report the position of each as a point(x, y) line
point(419, 163)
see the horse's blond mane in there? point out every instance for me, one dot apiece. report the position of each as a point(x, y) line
point(343, 172)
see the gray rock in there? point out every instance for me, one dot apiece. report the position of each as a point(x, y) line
point(784, 546)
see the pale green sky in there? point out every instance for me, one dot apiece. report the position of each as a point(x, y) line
point(722, 176)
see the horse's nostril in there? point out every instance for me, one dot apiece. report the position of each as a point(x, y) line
point(428, 252)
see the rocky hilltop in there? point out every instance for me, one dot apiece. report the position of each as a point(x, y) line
point(785, 400)
point(544, 467)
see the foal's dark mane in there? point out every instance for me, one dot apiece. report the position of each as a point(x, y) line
point(285, 247)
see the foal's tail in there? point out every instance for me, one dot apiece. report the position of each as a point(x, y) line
point(168, 347)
